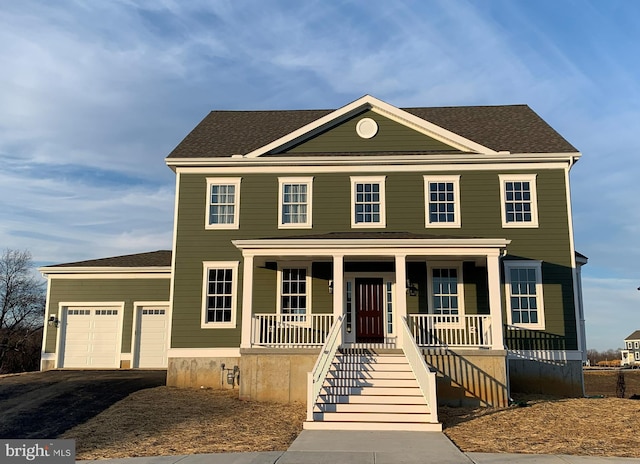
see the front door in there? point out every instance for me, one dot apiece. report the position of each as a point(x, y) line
point(369, 311)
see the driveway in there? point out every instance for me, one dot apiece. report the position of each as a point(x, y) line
point(40, 405)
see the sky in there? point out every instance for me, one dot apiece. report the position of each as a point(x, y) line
point(95, 94)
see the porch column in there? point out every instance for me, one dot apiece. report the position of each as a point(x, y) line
point(338, 289)
point(247, 298)
point(495, 301)
point(401, 296)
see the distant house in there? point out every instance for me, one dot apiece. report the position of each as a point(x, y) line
point(404, 256)
point(631, 353)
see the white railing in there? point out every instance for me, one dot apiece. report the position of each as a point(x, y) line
point(425, 378)
point(316, 377)
point(290, 330)
point(451, 331)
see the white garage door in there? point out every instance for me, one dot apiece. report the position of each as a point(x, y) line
point(152, 335)
point(91, 337)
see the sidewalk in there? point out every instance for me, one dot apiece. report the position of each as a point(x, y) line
point(359, 447)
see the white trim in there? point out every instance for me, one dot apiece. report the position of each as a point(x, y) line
point(380, 107)
point(531, 178)
point(206, 266)
point(48, 357)
point(156, 272)
point(545, 355)
point(45, 329)
point(537, 266)
point(381, 180)
point(428, 179)
point(457, 265)
point(137, 307)
point(173, 253)
point(306, 265)
point(308, 181)
point(234, 181)
point(62, 317)
point(369, 165)
point(173, 353)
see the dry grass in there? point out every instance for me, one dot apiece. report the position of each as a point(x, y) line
point(166, 421)
point(170, 421)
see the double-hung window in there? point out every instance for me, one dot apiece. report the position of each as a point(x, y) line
point(294, 292)
point(519, 200)
point(223, 200)
point(442, 201)
point(294, 206)
point(219, 292)
point(446, 290)
point(524, 294)
point(368, 202)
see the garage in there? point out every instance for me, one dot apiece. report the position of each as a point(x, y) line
point(91, 337)
point(152, 333)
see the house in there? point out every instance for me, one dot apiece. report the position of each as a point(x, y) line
point(631, 353)
point(372, 261)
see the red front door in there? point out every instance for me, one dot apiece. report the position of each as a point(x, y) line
point(369, 311)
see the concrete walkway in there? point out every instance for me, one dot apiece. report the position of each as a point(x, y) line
point(355, 447)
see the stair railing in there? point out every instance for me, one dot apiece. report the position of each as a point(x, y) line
point(316, 377)
point(425, 378)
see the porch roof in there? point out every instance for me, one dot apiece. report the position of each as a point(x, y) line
point(376, 243)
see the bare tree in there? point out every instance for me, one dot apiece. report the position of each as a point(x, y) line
point(22, 304)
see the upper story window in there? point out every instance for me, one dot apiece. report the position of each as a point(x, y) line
point(519, 200)
point(442, 201)
point(445, 288)
point(368, 202)
point(523, 280)
point(629, 345)
point(219, 293)
point(294, 206)
point(294, 289)
point(223, 203)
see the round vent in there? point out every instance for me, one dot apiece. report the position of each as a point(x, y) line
point(367, 128)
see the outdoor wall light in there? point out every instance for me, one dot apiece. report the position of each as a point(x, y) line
point(54, 321)
point(331, 286)
point(412, 289)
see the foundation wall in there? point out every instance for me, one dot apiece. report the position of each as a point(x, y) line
point(470, 377)
point(555, 378)
point(202, 372)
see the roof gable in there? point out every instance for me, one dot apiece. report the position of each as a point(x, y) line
point(505, 128)
point(634, 336)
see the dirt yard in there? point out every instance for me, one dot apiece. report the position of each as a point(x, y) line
point(169, 421)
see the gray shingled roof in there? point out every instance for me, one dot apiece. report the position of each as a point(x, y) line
point(514, 128)
point(634, 336)
point(160, 258)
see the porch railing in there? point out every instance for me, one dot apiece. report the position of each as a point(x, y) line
point(434, 330)
point(425, 378)
point(316, 377)
point(290, 330)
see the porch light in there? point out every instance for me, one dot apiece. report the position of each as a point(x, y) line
point(54, 321)
point(412, 289)
point(331, 286)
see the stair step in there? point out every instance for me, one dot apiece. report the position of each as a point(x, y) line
point(370, 417)
point(375, 391)
point(403, 427)
point(341, 358)
point(364, 375)
point(372, 408)
point(361, 383)
point(366, 367)
point(372, 399)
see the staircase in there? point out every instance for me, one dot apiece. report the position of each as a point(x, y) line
point(371, 390)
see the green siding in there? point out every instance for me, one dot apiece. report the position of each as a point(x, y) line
point(480, 213)
point(391, 136)
point(105, 290)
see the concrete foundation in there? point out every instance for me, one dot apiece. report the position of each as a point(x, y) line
point(470, 377)
point(276, 375)
point(556, 378)
point(47, 364)
point(202, 372)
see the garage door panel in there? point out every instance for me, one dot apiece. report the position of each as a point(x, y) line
point(152, 337)
point(92, 337)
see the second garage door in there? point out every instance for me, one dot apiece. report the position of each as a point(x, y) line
point(91, 337)
point(152, 335)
